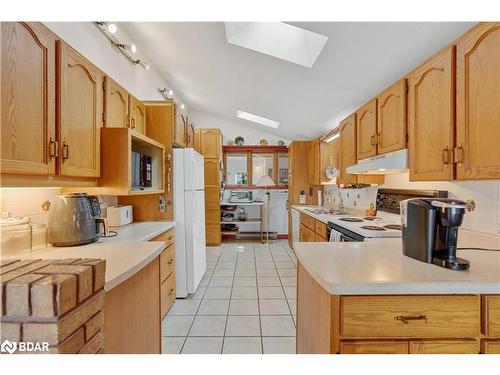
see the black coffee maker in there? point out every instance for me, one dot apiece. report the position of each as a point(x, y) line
point(430, 230)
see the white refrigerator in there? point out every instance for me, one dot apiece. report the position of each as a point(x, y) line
point(189, 216)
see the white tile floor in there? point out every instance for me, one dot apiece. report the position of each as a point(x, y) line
point(245, 304)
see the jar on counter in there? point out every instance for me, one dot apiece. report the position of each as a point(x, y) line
point(15, 235)
point(38, 236)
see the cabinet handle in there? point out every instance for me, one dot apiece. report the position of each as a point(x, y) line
point(170, 238)
point(171, 292)
point(170, 261)
point(446, 156)
point(458, 155)
point(53, 148)
point(406, 319)
point(65, 151)
point(373, 140)
point(127, 121)
point(132, 123)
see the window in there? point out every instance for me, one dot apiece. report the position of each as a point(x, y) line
point(236, 169)
point(262, 165)
point(282, 169)
point(247, 167)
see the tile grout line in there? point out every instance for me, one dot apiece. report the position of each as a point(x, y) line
point(258, 300)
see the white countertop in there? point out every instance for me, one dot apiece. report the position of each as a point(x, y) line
point(125, 254)
point(354, 268)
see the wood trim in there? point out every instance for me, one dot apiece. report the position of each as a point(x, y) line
point(250, 187)
point(259, 148)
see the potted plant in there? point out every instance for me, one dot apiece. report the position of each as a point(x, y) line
point(239, 140)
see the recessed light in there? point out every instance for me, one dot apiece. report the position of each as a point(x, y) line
point(112, 28)
point(331, 138)
point(258, 119)
point(277, 39)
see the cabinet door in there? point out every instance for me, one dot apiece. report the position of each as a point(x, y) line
point(347, 148)
point(211, 143)
point(212, 172)
point(391, 118)
point(366, 128)
point(27, 87)
point(373, 347)
point(137, 115)
point(329, 155)
point(80, 111)
point(431, 118)
point(478, 98)
point(306, 234)
point(314, 163)
point(179, 129)
point(491, 347)
point(116, 105)
point(444, 347)
point(197, 140)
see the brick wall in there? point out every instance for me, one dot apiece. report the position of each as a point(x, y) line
point(59, 302)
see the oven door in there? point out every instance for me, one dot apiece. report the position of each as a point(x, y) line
point(337, 233)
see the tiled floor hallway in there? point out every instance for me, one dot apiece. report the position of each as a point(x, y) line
point(245, 303)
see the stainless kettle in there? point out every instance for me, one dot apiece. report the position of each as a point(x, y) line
point(73, 219)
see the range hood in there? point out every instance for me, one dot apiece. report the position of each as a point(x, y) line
point(392, 162)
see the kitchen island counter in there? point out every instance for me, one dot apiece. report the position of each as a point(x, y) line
point(362, 268)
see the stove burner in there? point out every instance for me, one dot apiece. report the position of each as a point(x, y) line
point(372, 218)
point(393, 226)
point(351, 219)
point(372, 227)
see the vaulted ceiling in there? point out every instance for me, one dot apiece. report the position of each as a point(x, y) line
point(359, 60)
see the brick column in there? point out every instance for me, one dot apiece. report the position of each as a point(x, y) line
point(58, 302)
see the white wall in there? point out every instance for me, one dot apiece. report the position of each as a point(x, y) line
point(231, 129)
point(486, 194)
point(86, 38)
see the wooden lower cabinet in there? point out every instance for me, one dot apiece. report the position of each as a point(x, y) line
point(167, 295)
point(374, 347)
point(132, 314)
point(167, 271)
point(392, 324)
point(318, 238)
point(306, 234)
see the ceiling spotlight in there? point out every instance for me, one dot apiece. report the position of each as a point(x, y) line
point(183, 106)
point(112, 28)
point(133, 48)
point(170, 92)
point(143, 64)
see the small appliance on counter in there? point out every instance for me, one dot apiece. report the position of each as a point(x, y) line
point(430, 231)
point(118, 216)
point(74, 220)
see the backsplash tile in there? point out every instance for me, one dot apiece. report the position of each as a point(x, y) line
point(486, 194)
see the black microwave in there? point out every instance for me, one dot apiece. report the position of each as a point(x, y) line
point(142, 170)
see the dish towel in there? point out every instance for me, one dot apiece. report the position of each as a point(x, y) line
point(335, 236)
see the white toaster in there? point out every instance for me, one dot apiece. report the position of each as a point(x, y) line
point(119, 215)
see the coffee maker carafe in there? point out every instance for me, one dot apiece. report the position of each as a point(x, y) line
point(430, 231)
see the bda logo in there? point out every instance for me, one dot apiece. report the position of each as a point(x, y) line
point(9, 347)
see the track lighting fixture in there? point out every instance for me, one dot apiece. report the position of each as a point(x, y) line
point(108, 29)
point(168, 94)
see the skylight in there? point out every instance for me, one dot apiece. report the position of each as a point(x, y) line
point(259, 120)
point(277, 39)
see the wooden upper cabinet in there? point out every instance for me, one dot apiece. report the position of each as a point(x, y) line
point(80, 114)
point(137, 115)
point(211, 143)
point(347, 130)
point(391, 118)
point(366, 128)
point(116, 105)
point(478, 103)
point(314, 163)
point(197, 140)
point(190, 135)
point(27, 86)
point(329, 155)
point(432, 117)
point(180, 128)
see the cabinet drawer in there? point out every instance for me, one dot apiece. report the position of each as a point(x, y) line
point(212, 216)
point(167, 294)
point(168, 237)
point(491, 347)
point(167, 262)
point(321, 228)
point(445, 347)
point(410, 316)
point(373, 347)
point(308, 221)
point(492, 316)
